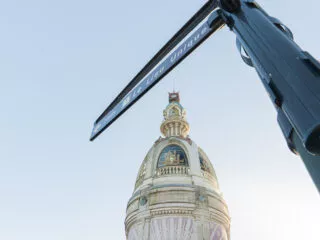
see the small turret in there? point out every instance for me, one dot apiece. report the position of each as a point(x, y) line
point(174, 123)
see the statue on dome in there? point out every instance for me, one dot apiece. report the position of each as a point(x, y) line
point(172, 158)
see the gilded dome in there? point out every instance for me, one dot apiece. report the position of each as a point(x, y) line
point(176, 155)
point(176, 193)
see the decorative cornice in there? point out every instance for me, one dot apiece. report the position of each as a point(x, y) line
point(178, 211)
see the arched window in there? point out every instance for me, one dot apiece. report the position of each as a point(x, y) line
point(204, 164)
point(172, 155)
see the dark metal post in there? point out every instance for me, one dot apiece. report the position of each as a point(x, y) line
point(311, 162)
point(290, 75)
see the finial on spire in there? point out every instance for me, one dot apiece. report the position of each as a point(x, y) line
point(174, 97)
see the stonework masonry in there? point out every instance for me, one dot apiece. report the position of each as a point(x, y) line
point(176, 196)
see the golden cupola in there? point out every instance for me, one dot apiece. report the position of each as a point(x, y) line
point(174, 123)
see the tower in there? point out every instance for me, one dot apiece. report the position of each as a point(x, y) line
point(176, 194)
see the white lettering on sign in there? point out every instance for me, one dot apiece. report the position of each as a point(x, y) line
point(164, 67)
point(126, 101)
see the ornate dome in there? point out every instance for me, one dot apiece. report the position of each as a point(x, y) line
point(176, 184)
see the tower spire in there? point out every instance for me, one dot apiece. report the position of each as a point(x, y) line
point(174, 123)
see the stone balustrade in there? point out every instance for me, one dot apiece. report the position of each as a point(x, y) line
point(173, 170)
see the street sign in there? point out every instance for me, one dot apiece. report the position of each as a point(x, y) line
point(157, 73)
point(290, 75)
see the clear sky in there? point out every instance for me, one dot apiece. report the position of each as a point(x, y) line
point(62, 62)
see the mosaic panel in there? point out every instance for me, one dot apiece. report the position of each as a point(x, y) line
point(172, 155)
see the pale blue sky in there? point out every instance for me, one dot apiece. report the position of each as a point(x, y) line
point(62, 63)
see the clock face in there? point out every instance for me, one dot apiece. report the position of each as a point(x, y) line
point(174, 112)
